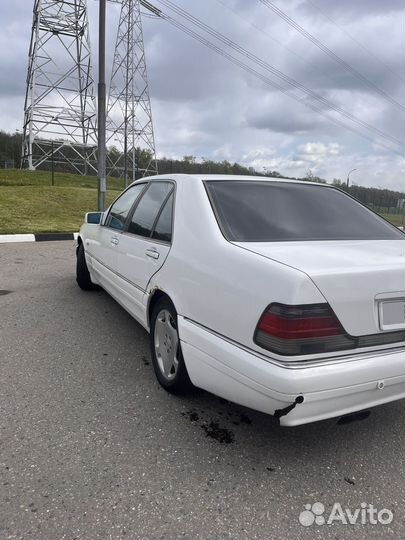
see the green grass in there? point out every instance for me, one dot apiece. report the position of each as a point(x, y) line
point(395, 219)
point(28, 204)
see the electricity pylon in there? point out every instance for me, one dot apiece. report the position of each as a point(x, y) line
point(129, 115)
point(60, 107)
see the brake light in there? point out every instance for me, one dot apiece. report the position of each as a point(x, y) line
point(296, 330)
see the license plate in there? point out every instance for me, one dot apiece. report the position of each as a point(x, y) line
point(392, 315)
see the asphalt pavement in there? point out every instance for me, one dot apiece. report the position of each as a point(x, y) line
point(92, 448)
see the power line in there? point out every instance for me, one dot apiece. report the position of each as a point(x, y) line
point(289, 49)
point(330, 53)
point(352, 38)
point(259, 29)
point(267, 81)
point(290, 81)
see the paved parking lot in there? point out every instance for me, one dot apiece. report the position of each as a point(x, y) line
point(92, 448)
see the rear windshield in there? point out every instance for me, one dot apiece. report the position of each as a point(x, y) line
point(251, 211)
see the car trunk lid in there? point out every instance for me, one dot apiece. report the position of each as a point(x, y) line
point(363, 281)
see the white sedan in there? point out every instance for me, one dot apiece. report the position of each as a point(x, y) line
point(284, 296)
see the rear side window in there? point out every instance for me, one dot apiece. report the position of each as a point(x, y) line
point(163, 227)
point(120, 208)
point(251, 211)
point(148, 208)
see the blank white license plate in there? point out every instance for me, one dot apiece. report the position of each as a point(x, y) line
point(392, 315)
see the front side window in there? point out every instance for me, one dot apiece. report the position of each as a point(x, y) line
point(252, 211)
point(120, 209)
point(148, 208)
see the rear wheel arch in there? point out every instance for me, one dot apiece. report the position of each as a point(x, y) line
point(166, 352)
point(155, 296)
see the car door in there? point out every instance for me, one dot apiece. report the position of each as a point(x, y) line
point(102, 247)
point(145, 244)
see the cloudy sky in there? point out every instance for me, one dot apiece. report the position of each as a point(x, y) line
point(205, 106)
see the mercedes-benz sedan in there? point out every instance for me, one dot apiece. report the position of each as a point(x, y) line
point(284, 296)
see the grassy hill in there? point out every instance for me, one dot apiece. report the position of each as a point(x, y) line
point(28, 203)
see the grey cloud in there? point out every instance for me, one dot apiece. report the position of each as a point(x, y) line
point(347, 9)
point(322, 72)
point(290, 120)
point(182, 69)
point(12, 78)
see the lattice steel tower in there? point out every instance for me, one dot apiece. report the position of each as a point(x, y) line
point(129, 115)
point(60, 106)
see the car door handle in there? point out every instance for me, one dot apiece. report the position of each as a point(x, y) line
point(114, 240)
point(152, 252)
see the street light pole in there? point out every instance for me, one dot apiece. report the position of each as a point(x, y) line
point(102, 184)
point(348, 178)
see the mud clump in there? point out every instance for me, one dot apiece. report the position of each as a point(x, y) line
point(220, 434)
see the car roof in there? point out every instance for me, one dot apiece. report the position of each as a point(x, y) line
point(225, 177)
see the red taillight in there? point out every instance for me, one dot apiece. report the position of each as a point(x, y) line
point(306, 329)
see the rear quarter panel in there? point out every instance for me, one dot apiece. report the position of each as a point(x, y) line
point(217, 284)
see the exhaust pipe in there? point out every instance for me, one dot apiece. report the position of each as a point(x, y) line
point(353, 417)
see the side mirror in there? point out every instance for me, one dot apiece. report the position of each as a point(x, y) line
point(93, 217)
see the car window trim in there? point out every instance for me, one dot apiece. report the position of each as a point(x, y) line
point(159, 214)
point(104, 224)
point(133, 209)
point(215, 212)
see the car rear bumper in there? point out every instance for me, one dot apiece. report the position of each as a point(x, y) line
point(329, 390)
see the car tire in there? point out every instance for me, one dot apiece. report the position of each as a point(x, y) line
point(167, 357)
point(82, 272)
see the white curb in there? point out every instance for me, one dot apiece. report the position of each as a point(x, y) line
point(18, 238)
point(6, 238)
